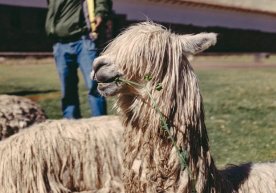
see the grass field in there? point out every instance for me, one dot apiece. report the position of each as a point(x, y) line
point(240, 103)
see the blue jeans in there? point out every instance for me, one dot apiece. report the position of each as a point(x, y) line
point(68, 57)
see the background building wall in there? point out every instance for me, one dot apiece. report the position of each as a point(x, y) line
point(177, 13)
point(25, 3)
point(22, 28)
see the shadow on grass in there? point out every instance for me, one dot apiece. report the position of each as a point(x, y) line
point(31, 92)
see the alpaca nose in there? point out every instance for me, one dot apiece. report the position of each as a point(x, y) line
point(104, 71)
point(98, 63)
point(105, 74)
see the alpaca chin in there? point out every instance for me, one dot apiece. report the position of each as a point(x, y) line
point(108, 89)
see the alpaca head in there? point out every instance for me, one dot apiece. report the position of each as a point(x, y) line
point(143, 49)
point(150, 49)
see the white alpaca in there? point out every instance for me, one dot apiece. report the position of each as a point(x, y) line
point(64, 156)
point(150, 159)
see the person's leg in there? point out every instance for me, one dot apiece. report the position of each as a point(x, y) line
point(67, 69)
point(87, 54)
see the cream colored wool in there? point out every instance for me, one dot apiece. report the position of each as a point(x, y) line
point(62, 156)
point(150, 160)
point(17, 113)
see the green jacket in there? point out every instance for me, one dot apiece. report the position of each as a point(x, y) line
point(65, 18)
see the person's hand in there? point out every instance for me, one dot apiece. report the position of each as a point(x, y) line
point(95, 26)
point(97, 23)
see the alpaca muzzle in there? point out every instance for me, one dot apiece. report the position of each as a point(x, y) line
point(104, 70)
point(106, 74)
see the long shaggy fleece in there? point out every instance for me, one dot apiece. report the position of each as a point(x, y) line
point(252, 178)
point(17, 113)
point(150, 159)
point(62, 156)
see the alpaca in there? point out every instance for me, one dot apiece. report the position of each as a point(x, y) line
point(151, 163)
point(64, 156)
point(17, 113)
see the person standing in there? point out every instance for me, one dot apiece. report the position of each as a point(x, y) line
point(74, 27)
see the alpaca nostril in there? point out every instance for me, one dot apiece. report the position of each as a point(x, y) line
point(104, 78)
point(105, 72)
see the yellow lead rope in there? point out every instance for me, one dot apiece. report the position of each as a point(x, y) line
point(91, 9)
point(91, 15)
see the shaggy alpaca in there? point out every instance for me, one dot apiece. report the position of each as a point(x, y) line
point(17, 113)
point(62, 156)
point(150, 159)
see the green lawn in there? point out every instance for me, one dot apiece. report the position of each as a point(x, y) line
point(37, 79)
point(240, 104)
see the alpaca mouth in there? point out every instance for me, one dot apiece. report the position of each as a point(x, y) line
point(105, 78)
point(108, 88)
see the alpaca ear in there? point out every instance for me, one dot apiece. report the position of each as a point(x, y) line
point(194, 44)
